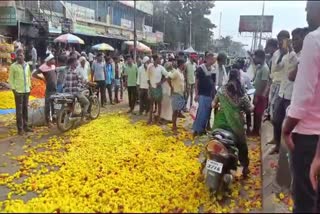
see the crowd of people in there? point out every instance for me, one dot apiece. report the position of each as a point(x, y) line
point(286, 74)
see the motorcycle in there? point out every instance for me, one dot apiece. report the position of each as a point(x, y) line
point(66, 108)
point(221, 156)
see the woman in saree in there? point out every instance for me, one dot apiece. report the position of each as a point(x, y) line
point(232, 102)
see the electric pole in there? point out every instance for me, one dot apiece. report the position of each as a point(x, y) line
point(220, 25)
point(190, 29)
point(261, 24)
point(134, 33)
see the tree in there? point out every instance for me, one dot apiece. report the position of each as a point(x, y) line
point(174, 18)
point(226, 44)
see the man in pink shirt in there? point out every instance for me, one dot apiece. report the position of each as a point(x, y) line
point(301, 128)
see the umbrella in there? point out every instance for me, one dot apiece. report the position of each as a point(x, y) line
point(189, 50)
point(69, 38)
point(140, 46)
point(103, 47)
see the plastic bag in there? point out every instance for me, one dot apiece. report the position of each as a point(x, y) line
point(193, 111)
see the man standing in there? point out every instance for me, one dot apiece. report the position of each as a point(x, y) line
point(117, 78)
point(156, 77)
point(109, 77)
point(301, 128)
point(277, 69)
point(48, 70)
point(222, 77)
point(261, 85)
point(176, 81)
point(82, 69)
point(121, 67)
point(286, 87)
point(191, 67)
point(91, 58)
point(20, 83)
point(34, 57)
point(204, 93)
point(142, 82)
point(130, 74)
point(271, 47)
point(98, 74)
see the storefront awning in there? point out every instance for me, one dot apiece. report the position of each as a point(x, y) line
point(109, 36)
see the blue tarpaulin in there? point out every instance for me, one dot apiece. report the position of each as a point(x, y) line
point(7, 111)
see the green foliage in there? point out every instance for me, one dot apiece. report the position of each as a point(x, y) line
point(173, 17)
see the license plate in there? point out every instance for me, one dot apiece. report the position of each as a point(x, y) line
point(57, 106)
point(214, 166)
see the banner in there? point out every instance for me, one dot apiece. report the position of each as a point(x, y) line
point(126, 23)
point(159, 36)
point(151, 38)
point(147, 28)
point(253, 24)
point(74, 11)
point(144, 6)
point(8, 16)
point(83, 29)
point(54, 27)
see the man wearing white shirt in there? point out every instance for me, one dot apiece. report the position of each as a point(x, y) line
point(283, 99)
point(142, 82)
point(91, 58)
point(156, 77)
point(84, 72)
point(277, 69)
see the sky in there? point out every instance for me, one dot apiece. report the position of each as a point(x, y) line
point(288, 15)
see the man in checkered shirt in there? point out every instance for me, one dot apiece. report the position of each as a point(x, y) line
point(73, 84)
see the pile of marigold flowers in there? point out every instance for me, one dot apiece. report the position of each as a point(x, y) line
point(7, 100)
point(112, 165)
point(38, 88)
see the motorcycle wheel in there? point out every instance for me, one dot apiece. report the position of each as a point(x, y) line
point(95, 108)
point(63, 122)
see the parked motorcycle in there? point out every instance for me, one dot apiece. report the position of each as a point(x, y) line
point(66, 108)
point(221, 156)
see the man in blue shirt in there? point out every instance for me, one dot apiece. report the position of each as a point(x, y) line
point(109, 77)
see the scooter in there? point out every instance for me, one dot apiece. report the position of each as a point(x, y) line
point(221, 156)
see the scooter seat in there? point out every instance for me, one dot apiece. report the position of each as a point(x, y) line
point(224, 136)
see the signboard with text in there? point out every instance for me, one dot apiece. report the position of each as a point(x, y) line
point(126, 23)
point(83, 29)
point(144, 6)
point(253, 24)
point(8, 16)
point(54, 27)
point(74, 11)
point(151, 38)
point(159, 36)
point(147, 28)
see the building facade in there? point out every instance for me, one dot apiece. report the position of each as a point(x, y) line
point(93, 21)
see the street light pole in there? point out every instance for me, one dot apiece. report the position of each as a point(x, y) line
point(190, 29)
point(134, 32)
point(261, 24)
point(220, 25)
